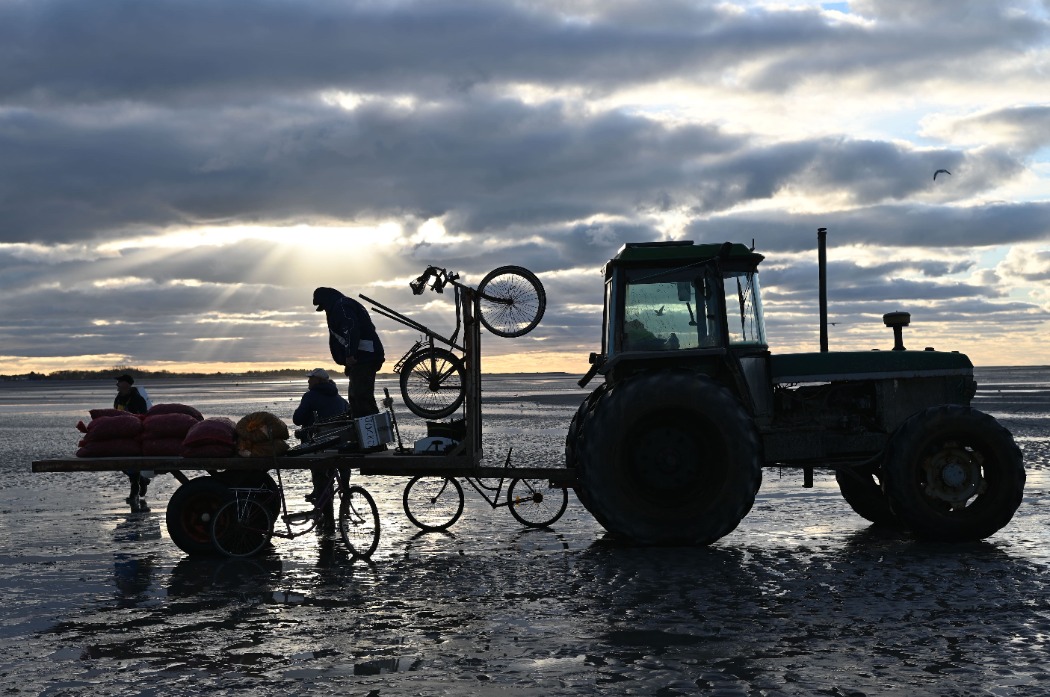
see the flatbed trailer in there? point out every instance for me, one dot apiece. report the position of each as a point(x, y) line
point(196, 499)
point(371, 464)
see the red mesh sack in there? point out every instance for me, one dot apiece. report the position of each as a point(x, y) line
point(173, 425)
point(217, 430)
point(160, 447)
point(158, 409)
point(122, 426)
point(110, 448)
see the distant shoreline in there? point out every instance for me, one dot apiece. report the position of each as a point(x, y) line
point(294, 373)
point(261, 375)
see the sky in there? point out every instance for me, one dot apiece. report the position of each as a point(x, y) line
point(176, 176)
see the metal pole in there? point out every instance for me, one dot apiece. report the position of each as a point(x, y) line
point(822, 266)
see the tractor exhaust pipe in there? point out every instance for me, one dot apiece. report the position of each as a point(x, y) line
point(822, 267)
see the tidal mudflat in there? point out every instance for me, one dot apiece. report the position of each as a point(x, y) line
point(803, 598)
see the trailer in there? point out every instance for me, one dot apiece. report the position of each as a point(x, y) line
point(191, 510)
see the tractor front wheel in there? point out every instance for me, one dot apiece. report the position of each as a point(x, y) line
point(862, 489)
point(953, 473)
point(669, 458)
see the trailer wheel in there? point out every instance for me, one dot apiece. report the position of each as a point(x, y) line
point(669, 458)
point(190, 512)
point(953, 473)
point(862, 489)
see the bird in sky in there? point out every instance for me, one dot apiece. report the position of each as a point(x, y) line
point(939, 171)
point(660, 312)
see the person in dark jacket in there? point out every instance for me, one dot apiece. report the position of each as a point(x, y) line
point(129, 399)
point(355, 345)
point(321, 401)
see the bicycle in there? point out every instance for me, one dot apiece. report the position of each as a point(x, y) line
point(435, 503)
point(510, 302)
point(243, 526)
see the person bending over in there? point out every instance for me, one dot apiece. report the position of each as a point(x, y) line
point(355, 345)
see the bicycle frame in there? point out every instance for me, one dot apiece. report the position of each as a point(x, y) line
point(311, 516)
point(478, 486)
point(442, 278)
point(435, 502)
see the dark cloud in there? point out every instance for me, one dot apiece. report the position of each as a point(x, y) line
point(517, 126)
point(893, 225)
point(72, 51)
point(1027, 127)
point(486, 165)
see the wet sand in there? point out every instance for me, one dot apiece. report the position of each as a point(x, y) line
point(804, 598)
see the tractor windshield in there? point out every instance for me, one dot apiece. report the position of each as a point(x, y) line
point(670, 311)
point(744, 308)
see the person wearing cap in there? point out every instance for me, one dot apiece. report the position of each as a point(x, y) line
point(321, 401)
point(355, 345)
point(129, 399)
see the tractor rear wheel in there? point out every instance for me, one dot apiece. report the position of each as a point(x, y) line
point(573, 436)
point(669, 458)
point(953, 473)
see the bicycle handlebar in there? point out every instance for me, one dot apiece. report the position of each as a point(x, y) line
point(441, 279)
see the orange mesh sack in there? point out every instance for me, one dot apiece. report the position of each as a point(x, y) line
point(261, 434)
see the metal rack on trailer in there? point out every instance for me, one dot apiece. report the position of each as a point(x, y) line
point(190, 507)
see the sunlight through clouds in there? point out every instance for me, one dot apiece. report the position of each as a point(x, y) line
point(179, 210)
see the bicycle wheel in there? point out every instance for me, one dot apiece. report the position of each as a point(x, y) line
point(241, 528)
point(433, 503)
point(511, 301)
point(536, 504)
point(432, 383)
point(359, 522)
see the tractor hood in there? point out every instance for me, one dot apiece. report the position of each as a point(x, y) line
point(866, 365)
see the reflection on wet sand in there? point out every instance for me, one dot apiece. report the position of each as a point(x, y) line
point(803, 598)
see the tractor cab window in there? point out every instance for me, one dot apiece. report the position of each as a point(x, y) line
point(669, 313)
point(744, 309)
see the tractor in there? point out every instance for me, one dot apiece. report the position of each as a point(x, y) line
point(670, 446)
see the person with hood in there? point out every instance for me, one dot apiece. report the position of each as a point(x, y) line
point(355, 345)
point(321, 401)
